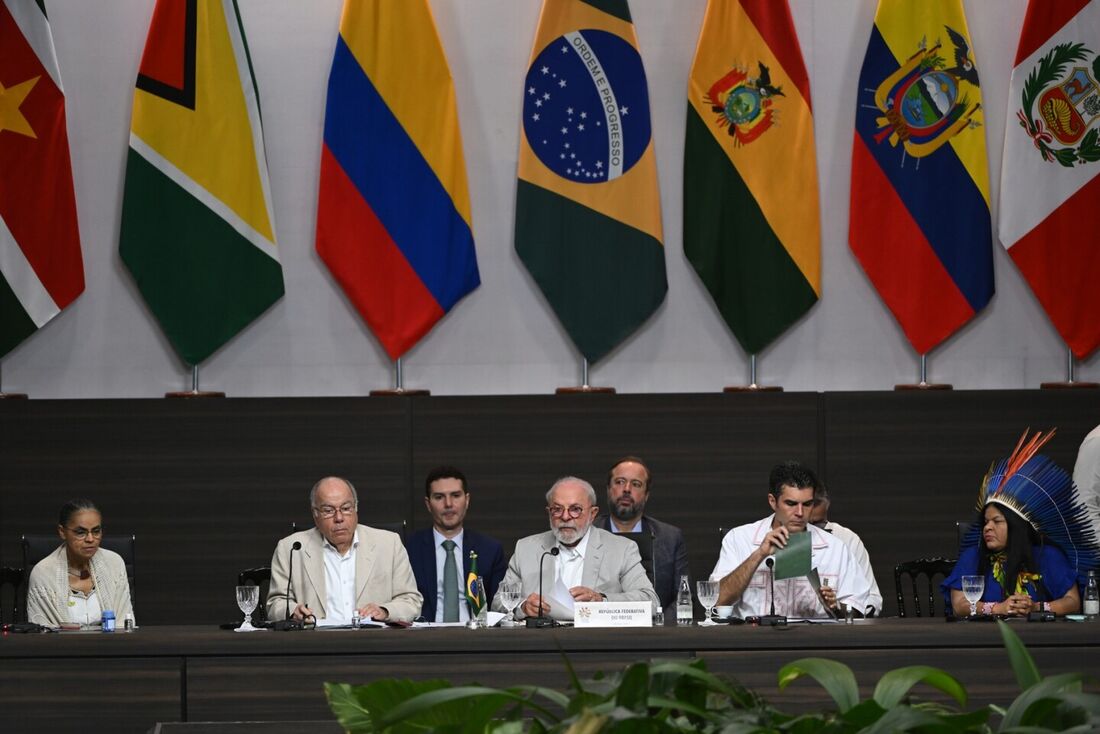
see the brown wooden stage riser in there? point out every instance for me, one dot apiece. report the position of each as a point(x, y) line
point(209, 486)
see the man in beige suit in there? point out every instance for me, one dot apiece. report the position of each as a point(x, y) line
point(591, 564)
point(342, 566)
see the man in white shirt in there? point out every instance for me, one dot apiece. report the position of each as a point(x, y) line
point(591, 564)
point(1086, 475)
point(744, 579)
point(820, 518)
point(341, 566)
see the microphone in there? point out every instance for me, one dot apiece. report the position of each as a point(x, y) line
point(542, 620)
point(773, 619)
point(289, 624)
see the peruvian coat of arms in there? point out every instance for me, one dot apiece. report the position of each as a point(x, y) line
point(1060, 107)
point(923, 103)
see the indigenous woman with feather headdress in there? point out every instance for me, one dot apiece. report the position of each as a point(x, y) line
point(1032, 540)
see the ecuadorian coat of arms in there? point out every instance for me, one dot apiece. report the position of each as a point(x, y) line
point(744, 103)
point(923, 103)
point(1061, 103)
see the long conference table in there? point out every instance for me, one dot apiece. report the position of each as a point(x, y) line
point(126, 682)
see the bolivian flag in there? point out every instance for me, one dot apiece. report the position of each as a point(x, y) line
point(588, 212)
point(198, 233)
point(751, 225)
point(41, 270)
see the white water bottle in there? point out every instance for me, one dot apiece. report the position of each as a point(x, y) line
point(684, 611)
point(1092, 597)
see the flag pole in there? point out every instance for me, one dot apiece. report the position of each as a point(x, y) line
point(9, 395)
point(195, 392)
point(924, 384)
point(753, 386)
point(1070, 383)
point(584, 387)
point(398, 384)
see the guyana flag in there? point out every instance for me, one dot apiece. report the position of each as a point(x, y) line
point(198, 233)
point(41, 270)
point(588, 212)
point(751, 226)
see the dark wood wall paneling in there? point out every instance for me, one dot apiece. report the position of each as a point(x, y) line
point(209, 486)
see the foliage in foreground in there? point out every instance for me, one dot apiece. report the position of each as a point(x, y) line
point(685, 697)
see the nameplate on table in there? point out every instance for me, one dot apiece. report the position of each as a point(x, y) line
point(613, 614)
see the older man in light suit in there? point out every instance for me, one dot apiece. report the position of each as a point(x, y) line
point(342, 566)
point(593, 564)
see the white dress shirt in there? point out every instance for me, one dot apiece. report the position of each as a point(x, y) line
point(570, 567)
point(339, 584)
point(440, 562)
point(84, 609)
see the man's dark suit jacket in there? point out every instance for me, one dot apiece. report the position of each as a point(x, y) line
point(670, 557)
point(491, 565)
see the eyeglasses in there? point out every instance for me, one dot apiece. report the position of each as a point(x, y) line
point(573, 511)
point(83, 533)
point(328, 511)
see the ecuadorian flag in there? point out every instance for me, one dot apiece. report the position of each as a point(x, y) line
point(919, 221)
point(393, 213)
point(198, 232)
point(751, 225)
point(588, 212)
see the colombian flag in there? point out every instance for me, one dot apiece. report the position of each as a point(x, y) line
point(41, 269)
point(393, 213)
point(1050, 176)
point(919, 219)
point(588, 212)
point(198, 233)
point(751, 225)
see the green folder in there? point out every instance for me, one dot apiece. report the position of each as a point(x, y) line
point(794, 560)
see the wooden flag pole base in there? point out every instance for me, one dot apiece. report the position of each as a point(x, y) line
point(397, 391)
point(195, 392)
point(584, 389)
point(752, 388)
point(924, 384)
point(13, 396)
point(1069, 383)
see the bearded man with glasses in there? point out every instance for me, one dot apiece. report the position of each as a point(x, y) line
point(342, 566)
point(591, 565)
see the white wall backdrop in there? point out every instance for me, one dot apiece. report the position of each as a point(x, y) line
point(503, 338)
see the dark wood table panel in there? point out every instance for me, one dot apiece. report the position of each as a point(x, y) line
point(88, 694)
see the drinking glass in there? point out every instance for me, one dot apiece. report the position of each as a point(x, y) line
point(247, 599)
point(510, 594)
point(707, 591)
point(972, 588)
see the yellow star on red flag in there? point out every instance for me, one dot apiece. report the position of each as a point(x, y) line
point(10, 100)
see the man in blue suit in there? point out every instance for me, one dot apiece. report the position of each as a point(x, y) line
point(440, 555)
point(628, 484)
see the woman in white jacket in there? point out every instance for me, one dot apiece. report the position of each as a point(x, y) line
point(79, 580)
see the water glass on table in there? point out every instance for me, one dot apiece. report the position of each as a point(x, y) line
point(247, 599)
point(707, 591)
point(973, 587)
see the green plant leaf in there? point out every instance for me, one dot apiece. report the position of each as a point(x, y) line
point(905, 718)
point(634, 688)
point(835, 677)
point(896, 684)
point(1027, 673)
point(350, 714)
point(450, 706)
point(863, 714)
point(1056, 686)
point(552, 695)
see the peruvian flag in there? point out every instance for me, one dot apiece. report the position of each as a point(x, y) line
point(1050, 179)
point(41, 269)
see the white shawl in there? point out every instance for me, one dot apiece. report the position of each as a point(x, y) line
point(48, 589)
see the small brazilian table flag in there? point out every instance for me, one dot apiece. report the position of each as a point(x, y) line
point(919, 212)
point(475, 594)
point(41, 269)
point(588, 212)
point(751, 225)
point(198, 233)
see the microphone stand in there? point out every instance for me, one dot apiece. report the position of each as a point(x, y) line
point(289, 624)
point(773, 619)
point(543, 621)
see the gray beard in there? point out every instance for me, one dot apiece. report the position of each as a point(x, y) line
point(625, 514)
point(576, 539)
